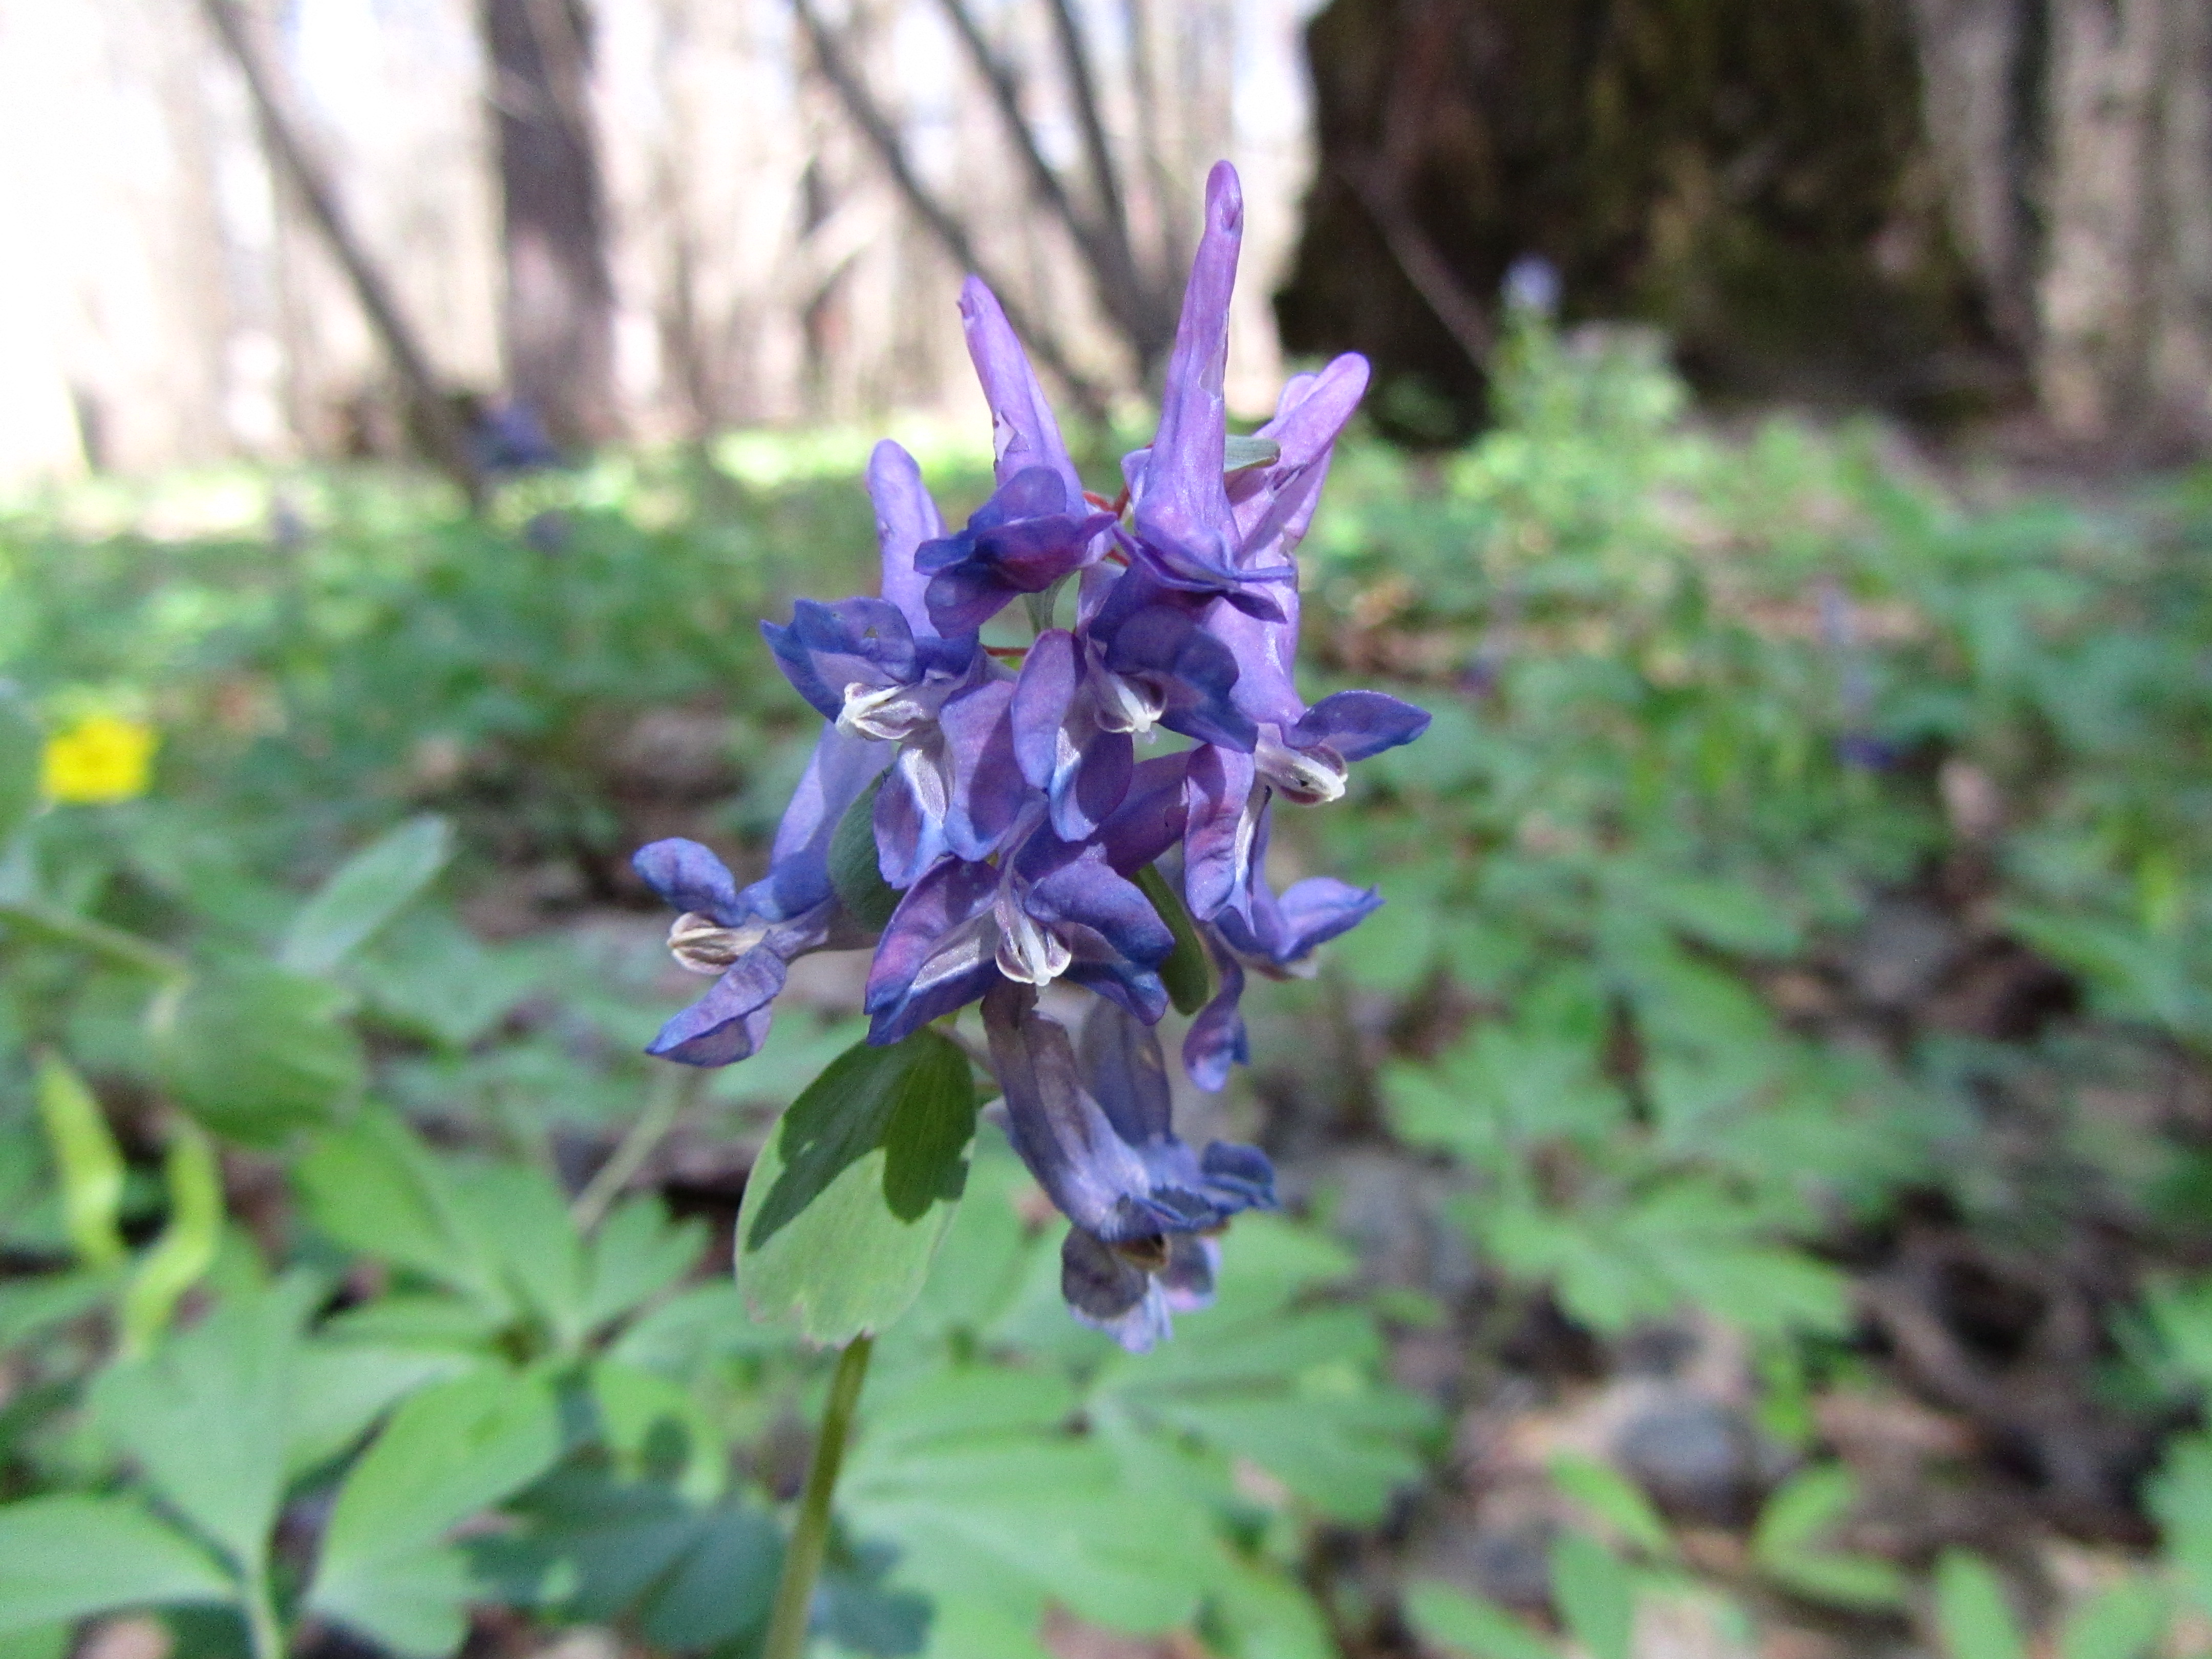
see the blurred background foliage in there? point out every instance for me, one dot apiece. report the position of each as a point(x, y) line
point(1748, 1188)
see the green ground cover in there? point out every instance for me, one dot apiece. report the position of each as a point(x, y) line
point(1798, 955)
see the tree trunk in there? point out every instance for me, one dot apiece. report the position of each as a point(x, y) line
point(558, 321)
point(2125, 299)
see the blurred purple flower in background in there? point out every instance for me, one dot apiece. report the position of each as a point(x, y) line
point(1021, 838)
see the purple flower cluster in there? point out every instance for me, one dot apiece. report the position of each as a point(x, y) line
point(1023, 839)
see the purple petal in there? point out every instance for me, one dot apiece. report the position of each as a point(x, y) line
point(1194, 672)
point(1075, 889)
point(1184, 510)
point(1092, 1174)
point(988, 789)
point(1319, 909)
point(1151, 817)
point(1042, 694)
point(1118, 1059)
point(1106, 1291)
point(689, 877)
point(1024, 432)
point(911, 811)
point(906, 517)
point(1216, 1039)
point(1244, 1171)
point(837, 774)
point(730, 1021)
point(1186, 1282)
point(1274, 504)
point(827, 647)
point(1219, 829)
point(936, 952)
point(1358, 724)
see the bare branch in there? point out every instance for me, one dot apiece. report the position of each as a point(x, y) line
point(432, 417)
point(1111, 276)
point(845, 81)
point(1075, 58)
point(1433, 278)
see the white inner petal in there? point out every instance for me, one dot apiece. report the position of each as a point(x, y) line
point(701, 946)
point(1311, 777)
point(1126, 706)
point(1028, 952)
point(888, 712)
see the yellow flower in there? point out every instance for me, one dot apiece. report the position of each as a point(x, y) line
point(103, 757)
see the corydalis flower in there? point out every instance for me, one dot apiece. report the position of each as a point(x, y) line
point(1093, 1125)
point(1020, 840)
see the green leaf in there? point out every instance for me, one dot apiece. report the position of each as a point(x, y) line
point(202, 1416)
point(339, 1389)
point(65, 1556)
point(21, 744)
point(1612, 1498)
point(1971, 1612)
point(374, 1187)
point(1189, 971)
point(364, 893)
point(2125, 1621)
point(1596, 1596)
point(413, 1602)
point(451, 1450)
point(846, 1205)
point(187, 1246)
point(1240, 453)
point(1785, 1544)
point(256, 1054)
point(993, 1507)
point(634, 1255)
point(86, 1156)
point(1472, 1625)
point(855, 870)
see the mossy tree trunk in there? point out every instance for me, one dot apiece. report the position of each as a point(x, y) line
point(1943, 206)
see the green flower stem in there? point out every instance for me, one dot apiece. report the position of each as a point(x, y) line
point(1189, 971)
point(802, 1561)
point(126, 950)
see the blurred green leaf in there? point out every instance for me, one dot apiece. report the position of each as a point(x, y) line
point(86, 1156)
point(188, 1242)
point(257, 1053)
point(1596, 1596)
point(202, 1416)
point(65, 1556)
point(1786, 1544)
point(364, 893)
point(1470, 1624)
point(845, 1207)
point(21, 744)
point(451, 1450)
point(2121, 1621)
point(1612, 1498)
point(1971, 1612)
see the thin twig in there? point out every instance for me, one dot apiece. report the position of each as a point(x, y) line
point(434, 418)
point(1425, 267)
point(1113, 277)
point(1154, 325)
point(884, 139)
point(675, 1088)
